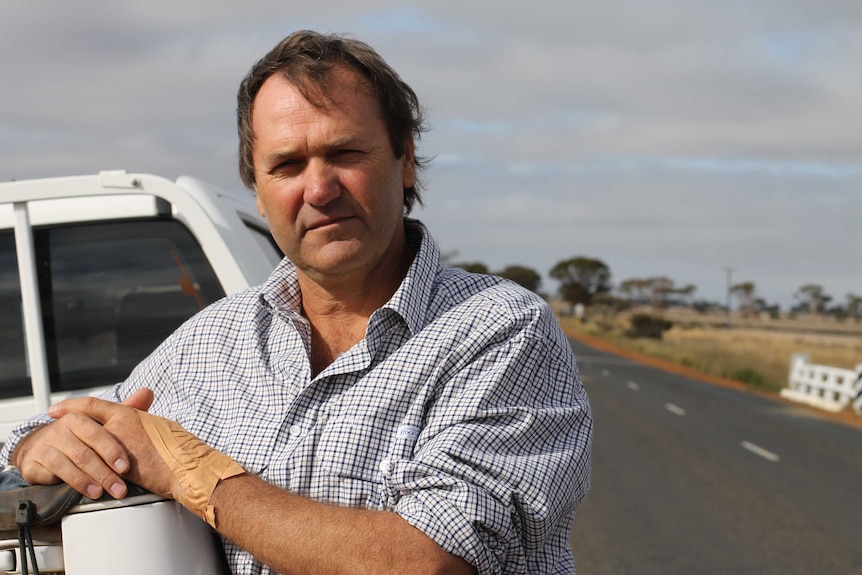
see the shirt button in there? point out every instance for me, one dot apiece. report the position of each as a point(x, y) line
point(295, 430)
point(384, 466)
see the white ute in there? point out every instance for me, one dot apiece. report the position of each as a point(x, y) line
point(95, 271)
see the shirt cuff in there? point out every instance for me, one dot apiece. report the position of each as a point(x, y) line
point(449, 526)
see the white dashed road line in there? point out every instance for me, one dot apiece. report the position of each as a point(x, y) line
point(606, 373)
point(757, 450)
point(674, 409)
point(633, 386)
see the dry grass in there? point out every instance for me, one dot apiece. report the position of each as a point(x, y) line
point(759, 357)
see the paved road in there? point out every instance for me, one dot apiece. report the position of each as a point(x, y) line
point(695, 478)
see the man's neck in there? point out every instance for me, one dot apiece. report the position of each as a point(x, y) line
point(338, 309)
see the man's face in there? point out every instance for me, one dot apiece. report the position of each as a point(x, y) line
point(327, 178)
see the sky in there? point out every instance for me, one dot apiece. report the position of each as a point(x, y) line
point(666, 138)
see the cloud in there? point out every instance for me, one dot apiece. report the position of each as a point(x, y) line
point(673, 138)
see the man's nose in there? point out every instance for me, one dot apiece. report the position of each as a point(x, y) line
point(321, 183)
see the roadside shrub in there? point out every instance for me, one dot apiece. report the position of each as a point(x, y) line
point(645, 325)
point(748, 376)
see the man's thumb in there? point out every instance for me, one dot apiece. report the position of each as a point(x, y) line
point(141, 399)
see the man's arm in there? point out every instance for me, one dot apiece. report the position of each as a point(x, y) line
point(290, 533)
point(293, 534)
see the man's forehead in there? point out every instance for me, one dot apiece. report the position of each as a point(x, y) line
point(338, 84)
point(285, 122)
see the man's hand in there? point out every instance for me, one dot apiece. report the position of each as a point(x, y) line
point(78, 449)
point(163, 457)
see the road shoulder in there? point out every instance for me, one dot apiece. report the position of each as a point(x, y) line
point(846, 417)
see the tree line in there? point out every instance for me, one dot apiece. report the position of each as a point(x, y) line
point(586, 280)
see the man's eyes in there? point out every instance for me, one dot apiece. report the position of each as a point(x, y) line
point(349, 154)
point(346, 155)
point(288, 166)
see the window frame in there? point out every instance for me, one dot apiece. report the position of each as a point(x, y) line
point(158, 229)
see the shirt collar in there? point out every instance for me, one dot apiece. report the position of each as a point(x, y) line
point(411, 298)
point(281, 290)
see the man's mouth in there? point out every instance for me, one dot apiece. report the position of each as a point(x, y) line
point(324, 222)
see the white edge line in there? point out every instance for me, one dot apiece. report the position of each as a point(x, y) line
point(674, 409)
point(757, 450)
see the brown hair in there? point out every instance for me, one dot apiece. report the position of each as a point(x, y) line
point(306, 59)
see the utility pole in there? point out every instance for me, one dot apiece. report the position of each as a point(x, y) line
point(729, 286)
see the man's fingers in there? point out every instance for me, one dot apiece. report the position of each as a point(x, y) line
point(99, 409)
point(96, 447)
point(92, 407)
point(69, 472)
point(79, 451)
point(94, 458)
point(141, 399)
point(78, 448)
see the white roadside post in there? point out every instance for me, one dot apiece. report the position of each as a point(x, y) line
point(824, 387)
point(857, 402)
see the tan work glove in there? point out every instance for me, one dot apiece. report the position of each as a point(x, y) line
point(196, 466)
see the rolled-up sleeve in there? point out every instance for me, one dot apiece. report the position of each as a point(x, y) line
point(503, 459)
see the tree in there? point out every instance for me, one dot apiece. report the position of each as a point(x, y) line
point(762, 306)
point(656, 291)
point(688, 293)
point(635, 290)
point(526, 277)
point(660, 287)
point(813, 296)
point(854, 306)
point(744, 292)
point(581, 278)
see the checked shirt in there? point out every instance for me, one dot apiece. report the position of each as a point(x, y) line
point(461, 410)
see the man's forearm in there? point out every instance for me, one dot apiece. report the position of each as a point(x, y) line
point(296, 535)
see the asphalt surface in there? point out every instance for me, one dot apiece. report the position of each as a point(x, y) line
point(690, 477)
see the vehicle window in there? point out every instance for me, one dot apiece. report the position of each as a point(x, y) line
point(14, 378)
point(266, 243)
point(111, 292)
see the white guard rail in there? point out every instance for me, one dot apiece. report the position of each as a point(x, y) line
point(824, 387)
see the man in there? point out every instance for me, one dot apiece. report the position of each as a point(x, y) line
point(366, 410)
